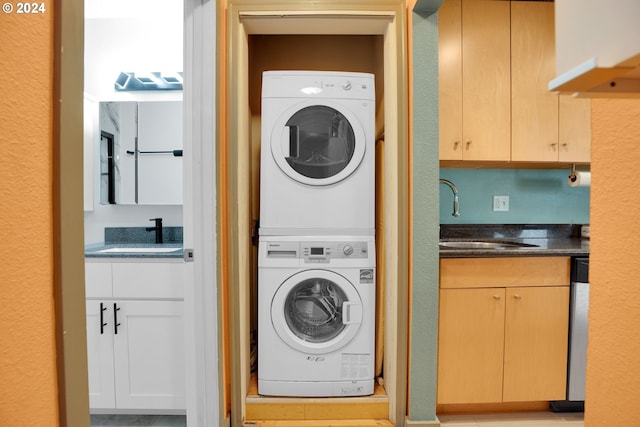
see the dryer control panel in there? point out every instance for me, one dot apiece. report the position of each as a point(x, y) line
point(325, 251)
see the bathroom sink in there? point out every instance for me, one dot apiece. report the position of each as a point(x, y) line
point(139, 250)
point(482, 244)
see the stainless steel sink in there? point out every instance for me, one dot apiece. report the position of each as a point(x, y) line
point(482, 244)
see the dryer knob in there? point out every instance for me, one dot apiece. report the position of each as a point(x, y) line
point(346, 85)
point(348, 250)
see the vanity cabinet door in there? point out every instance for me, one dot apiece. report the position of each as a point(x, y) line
point(149, 355)
point(100, 355)
point(159, 174)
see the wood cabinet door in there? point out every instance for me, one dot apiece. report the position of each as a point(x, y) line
point(486, 80)
point(450, 79)
point(535, 351)
point(100, 355)
point(534, 109)
point(575, 129)
point(470, 345)
point(149, 355)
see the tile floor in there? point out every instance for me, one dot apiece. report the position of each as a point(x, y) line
point(529, 419)
point(138, 421)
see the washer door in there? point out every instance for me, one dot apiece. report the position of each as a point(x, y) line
point(316, 311)
point(318, 143)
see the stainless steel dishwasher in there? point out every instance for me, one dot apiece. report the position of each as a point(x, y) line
point(578, 327)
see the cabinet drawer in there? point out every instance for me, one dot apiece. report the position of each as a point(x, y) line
point(504, 272)
point(97, 280)
point(148, 280)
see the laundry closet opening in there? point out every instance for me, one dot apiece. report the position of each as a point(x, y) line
point(339, 53)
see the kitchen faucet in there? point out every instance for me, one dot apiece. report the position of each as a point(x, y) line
point(456, 206)
point(157, 229)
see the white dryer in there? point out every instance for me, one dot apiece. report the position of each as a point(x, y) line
point(316, 316)
point(317, 153)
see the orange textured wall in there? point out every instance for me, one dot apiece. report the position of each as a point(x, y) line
point(613, 358)
point(28, 390)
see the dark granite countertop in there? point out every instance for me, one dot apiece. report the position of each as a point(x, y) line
point(136, 242)
point(537, 240)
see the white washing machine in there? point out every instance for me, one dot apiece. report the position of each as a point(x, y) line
point(316, 316)
point(317, 168)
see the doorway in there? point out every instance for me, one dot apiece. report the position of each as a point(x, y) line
point(200, 302)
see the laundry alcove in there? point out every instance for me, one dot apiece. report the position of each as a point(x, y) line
point(361, 36)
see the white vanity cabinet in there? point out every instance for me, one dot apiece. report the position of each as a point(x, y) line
point(135, 336)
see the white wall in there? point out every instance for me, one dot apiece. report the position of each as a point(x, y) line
point(130, 36)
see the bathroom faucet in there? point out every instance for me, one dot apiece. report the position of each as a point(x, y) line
point(157, 229)
point(456, 206)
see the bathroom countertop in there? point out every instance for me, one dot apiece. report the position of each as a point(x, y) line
point(136, 242)
point(133, 250)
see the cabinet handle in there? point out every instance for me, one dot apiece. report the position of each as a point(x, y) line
point(469, 144)
point(565, 146)
point(496, 297)
point(554, 145)
point(455, 145)
point(517, 296)
point(116, 309)
point(102, 322)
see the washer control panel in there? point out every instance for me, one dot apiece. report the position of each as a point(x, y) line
point(325, 251)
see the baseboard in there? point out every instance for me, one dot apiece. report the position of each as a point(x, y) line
point(410, 423)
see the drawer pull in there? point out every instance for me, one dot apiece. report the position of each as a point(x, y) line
point(102, 322)
point(115, 318)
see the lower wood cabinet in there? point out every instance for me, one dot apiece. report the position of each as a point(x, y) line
point(135, 347)
point(503, 330)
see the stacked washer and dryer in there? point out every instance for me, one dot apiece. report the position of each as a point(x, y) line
point(316, 256)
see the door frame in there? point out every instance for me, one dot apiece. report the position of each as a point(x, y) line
point(201, 296)
point(323, 17)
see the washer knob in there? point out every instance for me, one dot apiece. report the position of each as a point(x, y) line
point(347, 250)
point(346, 85)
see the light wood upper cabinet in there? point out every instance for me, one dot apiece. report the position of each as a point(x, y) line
point(503, 328)
point(495, 61)
point(545, 127)
point(450, 79)
point(574, 130)
point(534, 124)
point(475, 79)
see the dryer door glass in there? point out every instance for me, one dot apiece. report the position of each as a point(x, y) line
point(321, 142)
point(313, 310)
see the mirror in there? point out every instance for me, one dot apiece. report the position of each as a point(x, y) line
point(140, 152)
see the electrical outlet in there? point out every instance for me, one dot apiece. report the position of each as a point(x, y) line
point(500, 203)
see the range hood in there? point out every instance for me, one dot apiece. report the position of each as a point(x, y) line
point(597, 48)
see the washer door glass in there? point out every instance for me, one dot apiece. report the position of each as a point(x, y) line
point(313, 310)
point(318, 144)
point(316, 311)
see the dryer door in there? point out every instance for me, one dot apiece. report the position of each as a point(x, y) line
point(316, 311)
point(318, 142)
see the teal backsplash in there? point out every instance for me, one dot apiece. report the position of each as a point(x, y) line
point(535, 197)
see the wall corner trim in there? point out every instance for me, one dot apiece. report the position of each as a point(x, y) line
point(427, 6)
